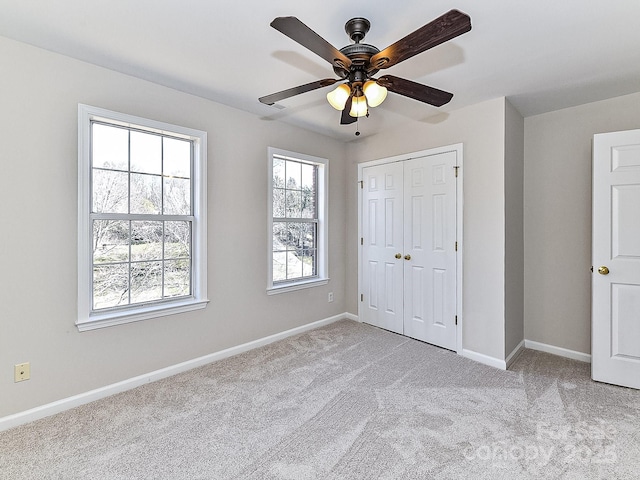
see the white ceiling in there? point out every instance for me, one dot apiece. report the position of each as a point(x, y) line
point(543, 55)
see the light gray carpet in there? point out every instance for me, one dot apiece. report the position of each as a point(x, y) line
point(347, 401)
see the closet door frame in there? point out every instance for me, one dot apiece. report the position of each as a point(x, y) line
point(458, 149)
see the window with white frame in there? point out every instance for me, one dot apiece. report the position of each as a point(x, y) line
point(297, 234)
point(141, 220)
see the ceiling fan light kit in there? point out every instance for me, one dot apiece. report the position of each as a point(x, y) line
point(358, 63)
point(373, 93)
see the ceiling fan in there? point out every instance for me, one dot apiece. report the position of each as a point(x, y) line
point(357, 64)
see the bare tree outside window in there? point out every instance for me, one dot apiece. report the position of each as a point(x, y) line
point(141, 212)
point(295, 220)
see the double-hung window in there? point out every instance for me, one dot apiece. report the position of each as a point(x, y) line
point(297, 252)
point(142, 218)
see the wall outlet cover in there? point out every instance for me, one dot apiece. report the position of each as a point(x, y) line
point(22, 372)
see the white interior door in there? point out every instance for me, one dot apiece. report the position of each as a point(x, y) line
point(616, 259)
point(429, 248)
point(382, 246)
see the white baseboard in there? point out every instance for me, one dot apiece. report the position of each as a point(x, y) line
point(58, 406)
point(351, 316)
point(504, 364)
point(485, 359)
point(515, 353)
point(562, 352)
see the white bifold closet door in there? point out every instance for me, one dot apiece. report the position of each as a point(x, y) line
point(408, 248)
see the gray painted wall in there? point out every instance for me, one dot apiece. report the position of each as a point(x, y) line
point(39, 94)
point(514, 228)
point(481, 129)
point(557, 220)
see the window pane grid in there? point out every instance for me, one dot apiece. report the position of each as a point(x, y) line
point(297, 222)
point(136, 258)
point(145, 277)
point(294, 250)
point(178, 174)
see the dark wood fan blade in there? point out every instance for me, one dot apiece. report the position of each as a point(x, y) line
point(345, 118)
point(276, 97)
point(299, 32)
point(414, 90)
point(443, 28)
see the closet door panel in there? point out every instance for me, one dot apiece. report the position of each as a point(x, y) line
point(430, 259)
point(382, 273)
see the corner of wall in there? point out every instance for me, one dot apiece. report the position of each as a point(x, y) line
point(514, 228)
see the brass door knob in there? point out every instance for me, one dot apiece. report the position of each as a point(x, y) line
point(603, 270)
point(398, 256)
point(407, 257)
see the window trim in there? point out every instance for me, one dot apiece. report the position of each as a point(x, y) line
point(88, 320)
point(322, 278)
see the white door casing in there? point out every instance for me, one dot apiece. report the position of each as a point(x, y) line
point(616, 245)
point(410, 220)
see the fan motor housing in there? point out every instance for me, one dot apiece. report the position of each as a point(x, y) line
point(359, 54)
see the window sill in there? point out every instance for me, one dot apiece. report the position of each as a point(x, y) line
point(291, 287)
point(110, 319)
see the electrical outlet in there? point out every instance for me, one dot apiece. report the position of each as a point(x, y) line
point(22, 372)
point(330, 297)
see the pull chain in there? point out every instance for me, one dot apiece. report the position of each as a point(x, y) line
point(358, 124)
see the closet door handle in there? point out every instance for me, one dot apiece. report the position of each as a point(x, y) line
point(398, 256)
point(407, 257)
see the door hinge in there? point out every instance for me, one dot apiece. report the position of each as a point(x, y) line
point(361, 241)
point(456, 319)
point(456, 246)
point(361, 182)
point(362, 297)
point(456, 167)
